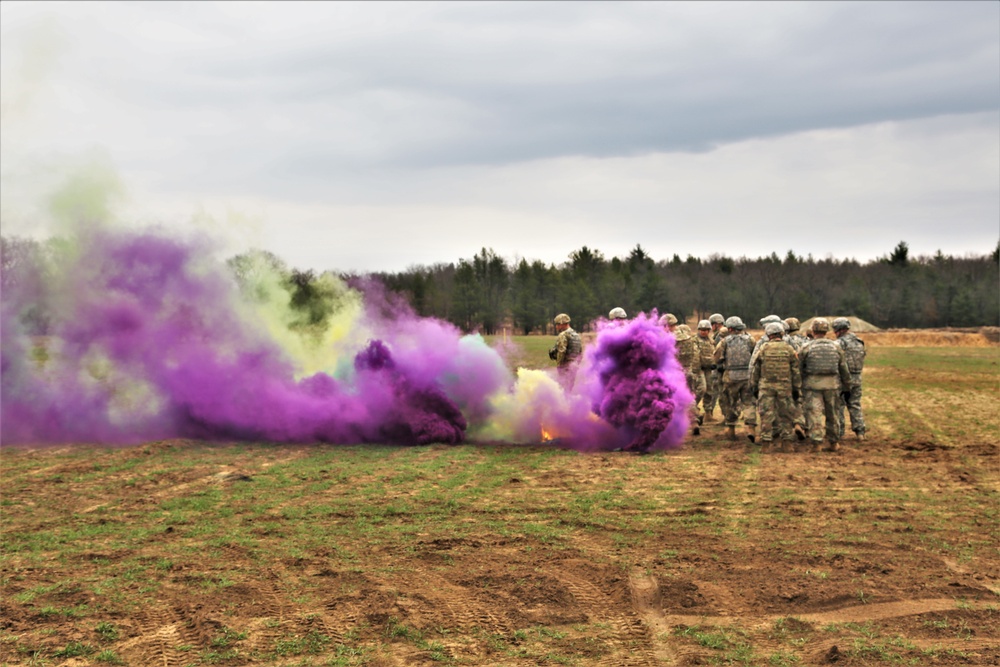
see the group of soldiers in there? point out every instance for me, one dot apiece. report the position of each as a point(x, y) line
point(786, 385)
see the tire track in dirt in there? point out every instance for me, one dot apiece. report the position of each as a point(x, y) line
point(632, 645)
point(647, 599)
point(460, 607)
point(161, 632)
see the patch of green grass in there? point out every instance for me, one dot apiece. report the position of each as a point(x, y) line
point(74, 650)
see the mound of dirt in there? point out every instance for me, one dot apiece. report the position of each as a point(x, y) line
point(858, 325)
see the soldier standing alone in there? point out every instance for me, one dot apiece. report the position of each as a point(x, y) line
point(567, 351)
point(854, 352)
point(776, 379)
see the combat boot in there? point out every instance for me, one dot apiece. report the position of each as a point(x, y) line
point(861, 436)
point(765, 446)
point(731, 432)
point(833, 447)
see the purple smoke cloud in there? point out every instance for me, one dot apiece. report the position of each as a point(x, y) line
point(148, 337)
point(637, 385)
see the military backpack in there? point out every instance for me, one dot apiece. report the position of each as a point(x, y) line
point(854, 352)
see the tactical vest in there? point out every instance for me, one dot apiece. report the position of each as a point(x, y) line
point(739, 347)
point(821, 358)
point(775, 367)
point(687, 354)
point(854, 352)
point(705, 350)
point(574, 345)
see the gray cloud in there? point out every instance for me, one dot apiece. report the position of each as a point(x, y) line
point(537, 116)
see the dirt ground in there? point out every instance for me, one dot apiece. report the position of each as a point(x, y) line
point(738, 557)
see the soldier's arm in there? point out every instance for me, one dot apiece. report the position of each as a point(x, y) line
point(796, 369)
point(845, 372)
point(562, 344)
point(720, 351)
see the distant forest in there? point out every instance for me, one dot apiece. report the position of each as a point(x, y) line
point(897, 290)
point(488, 292)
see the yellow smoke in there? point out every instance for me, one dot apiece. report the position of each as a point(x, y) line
point(536, 402)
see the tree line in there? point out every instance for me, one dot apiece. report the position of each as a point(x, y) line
point(487, 291)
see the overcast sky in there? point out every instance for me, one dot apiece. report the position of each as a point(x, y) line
point(375, 136)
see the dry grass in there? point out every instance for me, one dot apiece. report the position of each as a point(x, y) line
point(984, 337)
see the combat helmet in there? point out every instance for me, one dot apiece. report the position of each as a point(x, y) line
point(774, 328)
point(617, 314)
point(704, 324)
point(764, 321)
point(561, 318)
point(841, 324)
point(821, 325)
point(735, 322)
point(683, 332)
point(793, 324)
point(716, 318)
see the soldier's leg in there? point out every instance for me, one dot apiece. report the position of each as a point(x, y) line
point(830, 397)
point(838, 410)
point(812, 405)
point(786, 417)
point(708, 401)
point(854, 407)
point(724, 402)
point(767, 411)
point(750, 403)
point(731, 413)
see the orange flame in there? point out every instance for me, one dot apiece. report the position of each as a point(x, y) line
point(546, 436)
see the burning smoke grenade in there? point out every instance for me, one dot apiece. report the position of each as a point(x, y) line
point(637, 385)
point(121, 337)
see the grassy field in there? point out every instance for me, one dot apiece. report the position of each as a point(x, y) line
point(232, 553)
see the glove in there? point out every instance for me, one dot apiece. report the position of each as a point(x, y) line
point(796, 395)
point(756, 392)
point(845, 396)
point(716, 367)
point(553, 353)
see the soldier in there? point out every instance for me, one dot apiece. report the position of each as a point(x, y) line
point(764, 321)
point(797, 340)
point(617, 314)
point(705, 360)
point(713, 393)
point(854, 352)
point(689, 356)
point(824, 373)
point(567, 351)
point(733, 356)
point(794, 336)
point(669, 321)
point(777, 381)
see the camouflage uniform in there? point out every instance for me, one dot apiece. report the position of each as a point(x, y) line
point(797, 340)
point(713, 391)
point(854, 352)
point(733, 355)
point(824, 372)
point(689, 356)
point(566, 352)
point(706, 352)
point(776, 378)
